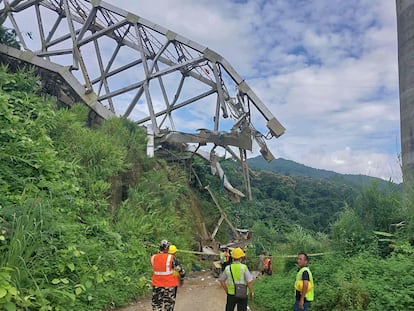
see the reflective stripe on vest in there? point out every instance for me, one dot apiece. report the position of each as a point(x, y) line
point(168, 266)
point(162, 274)
point(238, 270)
point(310, 294)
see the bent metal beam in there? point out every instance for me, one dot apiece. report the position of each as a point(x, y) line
point(121, 64)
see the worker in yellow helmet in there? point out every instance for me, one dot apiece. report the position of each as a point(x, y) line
point(172, 249)
point(179, 271)
point(234, 277)
point(304, 287)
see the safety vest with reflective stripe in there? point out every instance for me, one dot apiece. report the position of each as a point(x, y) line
point(310, 294)
point(162, 275)
point(238, 270)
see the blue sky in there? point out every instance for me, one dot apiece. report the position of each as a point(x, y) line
point(327, 69)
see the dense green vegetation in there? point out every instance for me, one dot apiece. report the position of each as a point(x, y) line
point(365, 255)
point(360, 282)
point(361, 236)
point(83, 208)
point(280, 200)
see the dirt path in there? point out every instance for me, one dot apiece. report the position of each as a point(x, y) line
point(200, 292)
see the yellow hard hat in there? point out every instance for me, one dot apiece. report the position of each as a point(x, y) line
point(299, 285)
point(172, 249)
point(237, 253)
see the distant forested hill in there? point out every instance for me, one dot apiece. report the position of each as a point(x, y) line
point(291, 168)
point(287, 193)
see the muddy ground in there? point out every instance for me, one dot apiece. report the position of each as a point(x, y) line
point(200, 292)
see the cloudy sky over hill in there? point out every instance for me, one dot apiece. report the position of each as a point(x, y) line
point(327, 69)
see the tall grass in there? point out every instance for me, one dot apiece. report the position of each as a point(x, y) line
point(24, 235)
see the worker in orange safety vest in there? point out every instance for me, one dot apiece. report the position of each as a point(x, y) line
point(164, 282)
point(267, 265)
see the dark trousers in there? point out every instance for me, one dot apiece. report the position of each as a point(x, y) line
point(233, 301)
point(306, 305)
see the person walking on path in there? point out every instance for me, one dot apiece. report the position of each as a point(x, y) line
point(179, 271)
point(236, 273)
point(164, 283)
point(304, 289)
point(262, 257)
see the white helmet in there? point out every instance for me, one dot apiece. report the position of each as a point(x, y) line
point(164, 245)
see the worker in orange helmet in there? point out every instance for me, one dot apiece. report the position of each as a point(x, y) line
point(164, 283)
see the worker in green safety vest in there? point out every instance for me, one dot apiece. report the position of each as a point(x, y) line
point(304, 287)
point(234, 275)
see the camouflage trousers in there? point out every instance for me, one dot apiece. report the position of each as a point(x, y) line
point(163, 296)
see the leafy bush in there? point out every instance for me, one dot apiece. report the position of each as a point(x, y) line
point(349, 234)
point(362, 282)
point(68, 236)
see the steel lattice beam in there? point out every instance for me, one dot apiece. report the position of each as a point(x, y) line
point(134, 68)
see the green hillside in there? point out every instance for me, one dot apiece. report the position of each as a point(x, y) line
point(82, 209)
point(281, 200)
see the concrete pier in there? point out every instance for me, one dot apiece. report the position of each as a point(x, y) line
point(405, 30)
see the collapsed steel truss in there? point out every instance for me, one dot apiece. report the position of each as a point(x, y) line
point(121, 64)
